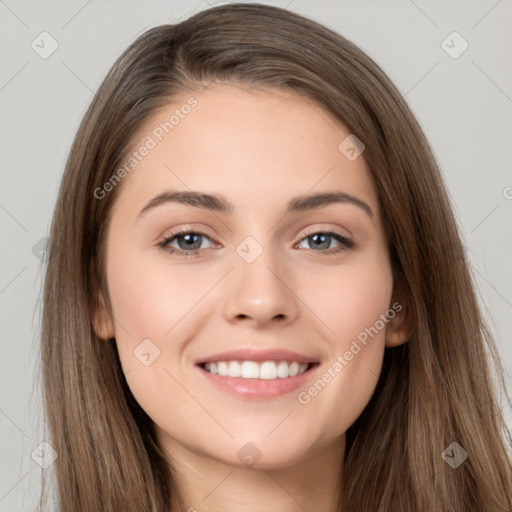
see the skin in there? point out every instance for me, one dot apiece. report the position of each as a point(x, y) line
point(258, 148)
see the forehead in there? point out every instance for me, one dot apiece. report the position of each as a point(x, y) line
point(255, 146)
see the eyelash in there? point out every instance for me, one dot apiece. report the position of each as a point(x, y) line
point(164, 244)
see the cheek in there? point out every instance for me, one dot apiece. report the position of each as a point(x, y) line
point(150, 298)
point(349, 299)
point(352, 305)
point(146, 304)
point(153, 305)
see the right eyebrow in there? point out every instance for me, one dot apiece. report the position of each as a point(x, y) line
point(212, 202)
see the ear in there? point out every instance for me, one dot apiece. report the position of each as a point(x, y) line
point(102, 319)
point(398, 329)
point(396, 336)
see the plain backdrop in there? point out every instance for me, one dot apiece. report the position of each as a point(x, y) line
point(462, 99)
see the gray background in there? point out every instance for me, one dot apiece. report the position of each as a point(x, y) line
point(464, 105)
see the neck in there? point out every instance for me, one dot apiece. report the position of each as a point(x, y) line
point(311, 483)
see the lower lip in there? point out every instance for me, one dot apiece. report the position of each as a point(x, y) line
point(258, 388)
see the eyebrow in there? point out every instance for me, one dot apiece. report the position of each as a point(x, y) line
point(220, 204)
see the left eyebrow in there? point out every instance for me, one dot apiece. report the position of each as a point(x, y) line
point(220, 204)
point(301, 203)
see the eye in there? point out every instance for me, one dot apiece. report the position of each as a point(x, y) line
point(323, 239)
point(189, 242)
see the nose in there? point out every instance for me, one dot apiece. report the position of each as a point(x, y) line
point(260, 293)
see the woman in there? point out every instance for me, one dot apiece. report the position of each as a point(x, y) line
point(252, 370)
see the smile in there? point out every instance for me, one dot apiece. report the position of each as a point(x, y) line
point(257, 381)
point(265, 370)
point(257, 373)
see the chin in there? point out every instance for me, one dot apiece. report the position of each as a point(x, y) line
point(263, 454)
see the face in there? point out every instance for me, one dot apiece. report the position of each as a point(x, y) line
point(250, 325)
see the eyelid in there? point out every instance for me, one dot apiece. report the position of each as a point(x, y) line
point(323, 229)
point(345, 243)
point(170, 233)
point(185, 231)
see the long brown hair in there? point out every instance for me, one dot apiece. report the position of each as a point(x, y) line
point(438, 388)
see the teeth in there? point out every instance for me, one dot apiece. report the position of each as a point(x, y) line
point(282, 369)
point(295, 368)
point(250, 370)
point(267, 370)
point(222, 369)
point(234, 369)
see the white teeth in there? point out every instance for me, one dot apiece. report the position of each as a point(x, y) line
point(282, 369)
point(267, 370)
point(294, 369)
point(250, 370)
point(222, 368)
point(234, 369)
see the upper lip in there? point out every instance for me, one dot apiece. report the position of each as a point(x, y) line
point(252, 354)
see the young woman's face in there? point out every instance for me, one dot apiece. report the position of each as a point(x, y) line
point(263, 271)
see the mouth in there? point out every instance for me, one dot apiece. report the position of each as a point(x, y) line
point(257, 374)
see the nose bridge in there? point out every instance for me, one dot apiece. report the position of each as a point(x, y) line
point(258, 287)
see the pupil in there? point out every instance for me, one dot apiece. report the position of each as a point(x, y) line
point(189, 240)
point(317, 236)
